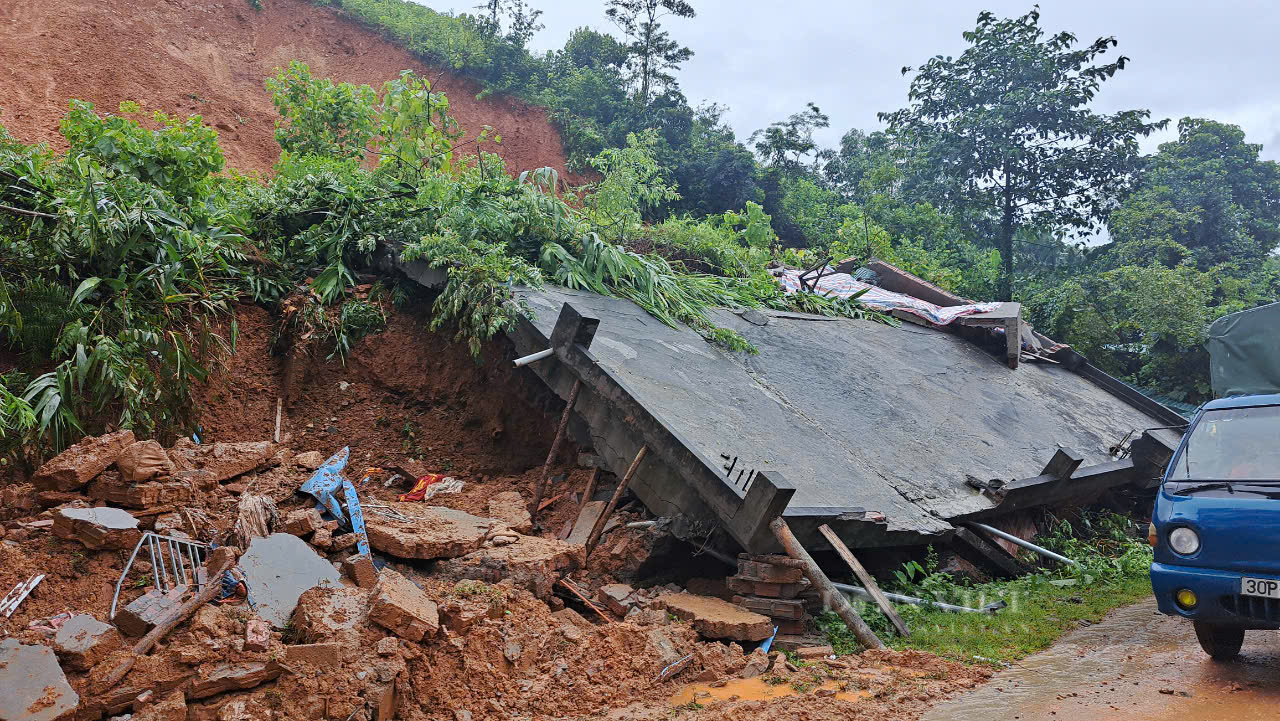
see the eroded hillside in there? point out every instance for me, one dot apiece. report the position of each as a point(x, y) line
point(211, 58)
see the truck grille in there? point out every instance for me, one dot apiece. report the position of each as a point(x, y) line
point(1255, 607)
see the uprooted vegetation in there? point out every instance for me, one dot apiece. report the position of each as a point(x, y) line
point(127, 251)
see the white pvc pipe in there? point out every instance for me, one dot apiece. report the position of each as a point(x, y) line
point(526, 360)
point(1025, 544)
point(862, 593)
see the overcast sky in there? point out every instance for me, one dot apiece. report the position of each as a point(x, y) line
point(764, 60)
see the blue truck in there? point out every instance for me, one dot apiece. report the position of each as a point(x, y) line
point(1216, 523)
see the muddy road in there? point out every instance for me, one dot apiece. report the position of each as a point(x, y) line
point(1136, 665)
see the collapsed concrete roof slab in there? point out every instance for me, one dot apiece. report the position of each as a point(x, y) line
point(878, 429)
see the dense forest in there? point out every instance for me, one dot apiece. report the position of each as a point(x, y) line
point(123, 257)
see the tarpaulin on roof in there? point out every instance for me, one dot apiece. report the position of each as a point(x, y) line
point(844, 286)
point(1244, 352)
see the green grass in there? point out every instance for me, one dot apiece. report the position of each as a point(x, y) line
point(1041, 606)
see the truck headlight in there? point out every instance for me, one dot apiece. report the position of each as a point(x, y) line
point(1184, 541)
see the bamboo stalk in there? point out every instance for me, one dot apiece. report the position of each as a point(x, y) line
point(830, 594)
point(598, 527)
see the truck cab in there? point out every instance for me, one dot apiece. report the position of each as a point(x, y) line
point(1215, 527)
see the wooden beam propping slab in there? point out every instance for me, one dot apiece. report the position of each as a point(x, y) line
point(868, 581)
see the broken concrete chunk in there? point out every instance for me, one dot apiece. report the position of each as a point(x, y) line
point(360, 569)
point(532, 563)
point(618, 597)
point(757, 663)
point(170, 708)
point(322, 539)
point(459, 616)
point(716, 618)
point(278, 569)
point(97, 527)
point(388, 646)
point(591, 511)
point(18, 499)
point(301, 521)
point(223, 461)
point(82, 462)
point(332, 614)
point(144, 461)
point(809, 653)
point(309, 460)
point(434, 532)
point(402, 608)
point(83, 641)
point(233, 677)
point(511, 508)
point(142, 615)
point(257, 635)
point(34, 687)
point(112, 489)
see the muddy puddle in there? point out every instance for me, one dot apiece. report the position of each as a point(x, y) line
point(1136, 664)
point(761, 688)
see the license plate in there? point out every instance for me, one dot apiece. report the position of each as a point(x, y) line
point(1266, 587)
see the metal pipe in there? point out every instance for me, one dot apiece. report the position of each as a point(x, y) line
point(157, 569)
point(526, 360)
point(115, 598)
point(862, 593)
point(1025, 544)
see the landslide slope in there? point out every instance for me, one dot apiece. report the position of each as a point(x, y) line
point(210, 57)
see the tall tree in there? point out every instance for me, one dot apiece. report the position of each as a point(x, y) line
point(653, 55)
point(1010, 120)
point(1206, 197)
point(522, 20)
point(786, 143)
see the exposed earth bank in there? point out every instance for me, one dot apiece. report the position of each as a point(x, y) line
point(210, 58)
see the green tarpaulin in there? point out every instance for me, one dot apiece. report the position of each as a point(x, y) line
point(1244, 351)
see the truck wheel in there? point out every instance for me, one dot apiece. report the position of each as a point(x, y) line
point(1220, 642)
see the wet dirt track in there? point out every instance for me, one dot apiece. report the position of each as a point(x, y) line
point(1135, 665)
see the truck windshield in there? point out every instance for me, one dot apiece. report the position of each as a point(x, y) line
point(1232, 444)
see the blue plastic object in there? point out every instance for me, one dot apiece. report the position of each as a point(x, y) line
point(323, 485)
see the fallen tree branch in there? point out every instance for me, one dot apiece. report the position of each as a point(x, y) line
point(23, 211)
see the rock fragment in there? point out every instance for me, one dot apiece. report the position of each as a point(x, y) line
point(83, 641)
point(618, 597)
point(34, 687)
point(257, 635)
point(279, 568)
point(511, 508)
point(360, 569)
point(81, 463)
point(532, 563)
point(142, 615)
point(233, 677)
point(716, 618)
point(434, 532)
point(301, 521)
point(143, 461)
point(402, 608)
point(97, 528)
point(170, 708)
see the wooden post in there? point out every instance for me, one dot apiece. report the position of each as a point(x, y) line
point(830, 594)
point(555, 449)
point(591, 488)
point(868, 581)
point(598, 527)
